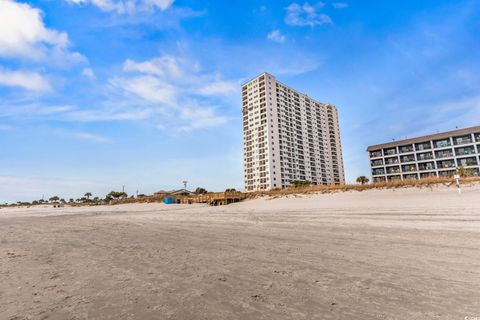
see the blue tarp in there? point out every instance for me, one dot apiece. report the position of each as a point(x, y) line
point(168, 200)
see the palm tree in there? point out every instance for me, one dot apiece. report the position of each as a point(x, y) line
point(54, 199)
point(88, 195)
point(362, 180)
point(200, 190)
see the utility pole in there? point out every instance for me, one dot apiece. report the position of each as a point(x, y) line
point(123, 188)
point(185, 185)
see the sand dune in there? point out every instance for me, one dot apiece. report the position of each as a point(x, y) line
point(380, 254)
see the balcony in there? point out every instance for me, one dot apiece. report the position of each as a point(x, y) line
point(447, 173)
point(390, 151)
point(444, 143)
point(466, 162)
point(378, 171)
point(393, 160)
point(446, 164)
point(406, 148)
point(376, 163)
point(424, 156)
point(465, 151)
point(410, 176)
point(376, 154)
point(393, 178)
point(426, 166)
point(392, 170)
point(427, 175)
point(409, 168)
point(462, 139)
point(407, 158)
point(444, 154)
point(423, 146)
point(477, 137)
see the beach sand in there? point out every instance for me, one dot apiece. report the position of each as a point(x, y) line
point(379, 254)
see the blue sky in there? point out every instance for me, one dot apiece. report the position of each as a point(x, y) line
point(96, 94)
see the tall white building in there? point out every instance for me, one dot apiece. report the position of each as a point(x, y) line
point(288, 136)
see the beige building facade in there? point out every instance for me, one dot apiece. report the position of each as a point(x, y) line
point(288, 136)
point(437, 155)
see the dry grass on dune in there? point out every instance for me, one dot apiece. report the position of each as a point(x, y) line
point(426, 182)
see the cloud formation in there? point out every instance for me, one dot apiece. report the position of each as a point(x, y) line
point(91, 137)
point(306, 15)
point(126, 6)
point(27, 80)
point(23, 34)
point(176, 89)
point(276, 36)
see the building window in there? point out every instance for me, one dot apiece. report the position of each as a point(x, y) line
point(443, 143)
point(423, 146)
point(462, 139)
point(407, 148)
point(390, 151)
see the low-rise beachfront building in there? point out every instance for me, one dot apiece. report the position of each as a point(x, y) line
point(436, 155)
point(288, 136)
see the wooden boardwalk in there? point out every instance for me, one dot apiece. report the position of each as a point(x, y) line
point(212, 198)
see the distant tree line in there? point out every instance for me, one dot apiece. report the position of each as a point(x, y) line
point(88, 198)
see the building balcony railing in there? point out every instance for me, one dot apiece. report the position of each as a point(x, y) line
point(462, 140)
point(426, 166)
point(391, 161)
point(442, 143)
point(424, 156)
point(409, 168)
point(406, 149)
point(465, 151)
point(446, 164)
point(423, 146)
point(444, 154)
point(466, 162)
point(393, 170)
point(390, 152)
point(376, 154)
point(409, 158)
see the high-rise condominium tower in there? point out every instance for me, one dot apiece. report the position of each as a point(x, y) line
point(288, 136)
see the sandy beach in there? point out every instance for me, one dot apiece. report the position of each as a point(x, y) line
point(379, 254)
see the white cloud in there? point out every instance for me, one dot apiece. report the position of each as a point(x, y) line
point(88, 72)
point(107, 114)
point(306, 15)
point(340, 5)
point(174, 90)
point(161, 66)
point(200, 118)
point(91, 137)
point(54, 109)
point(148, 88)
point(31, 81)
point(276, 36)
point(126, 6)
point(23, 34)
